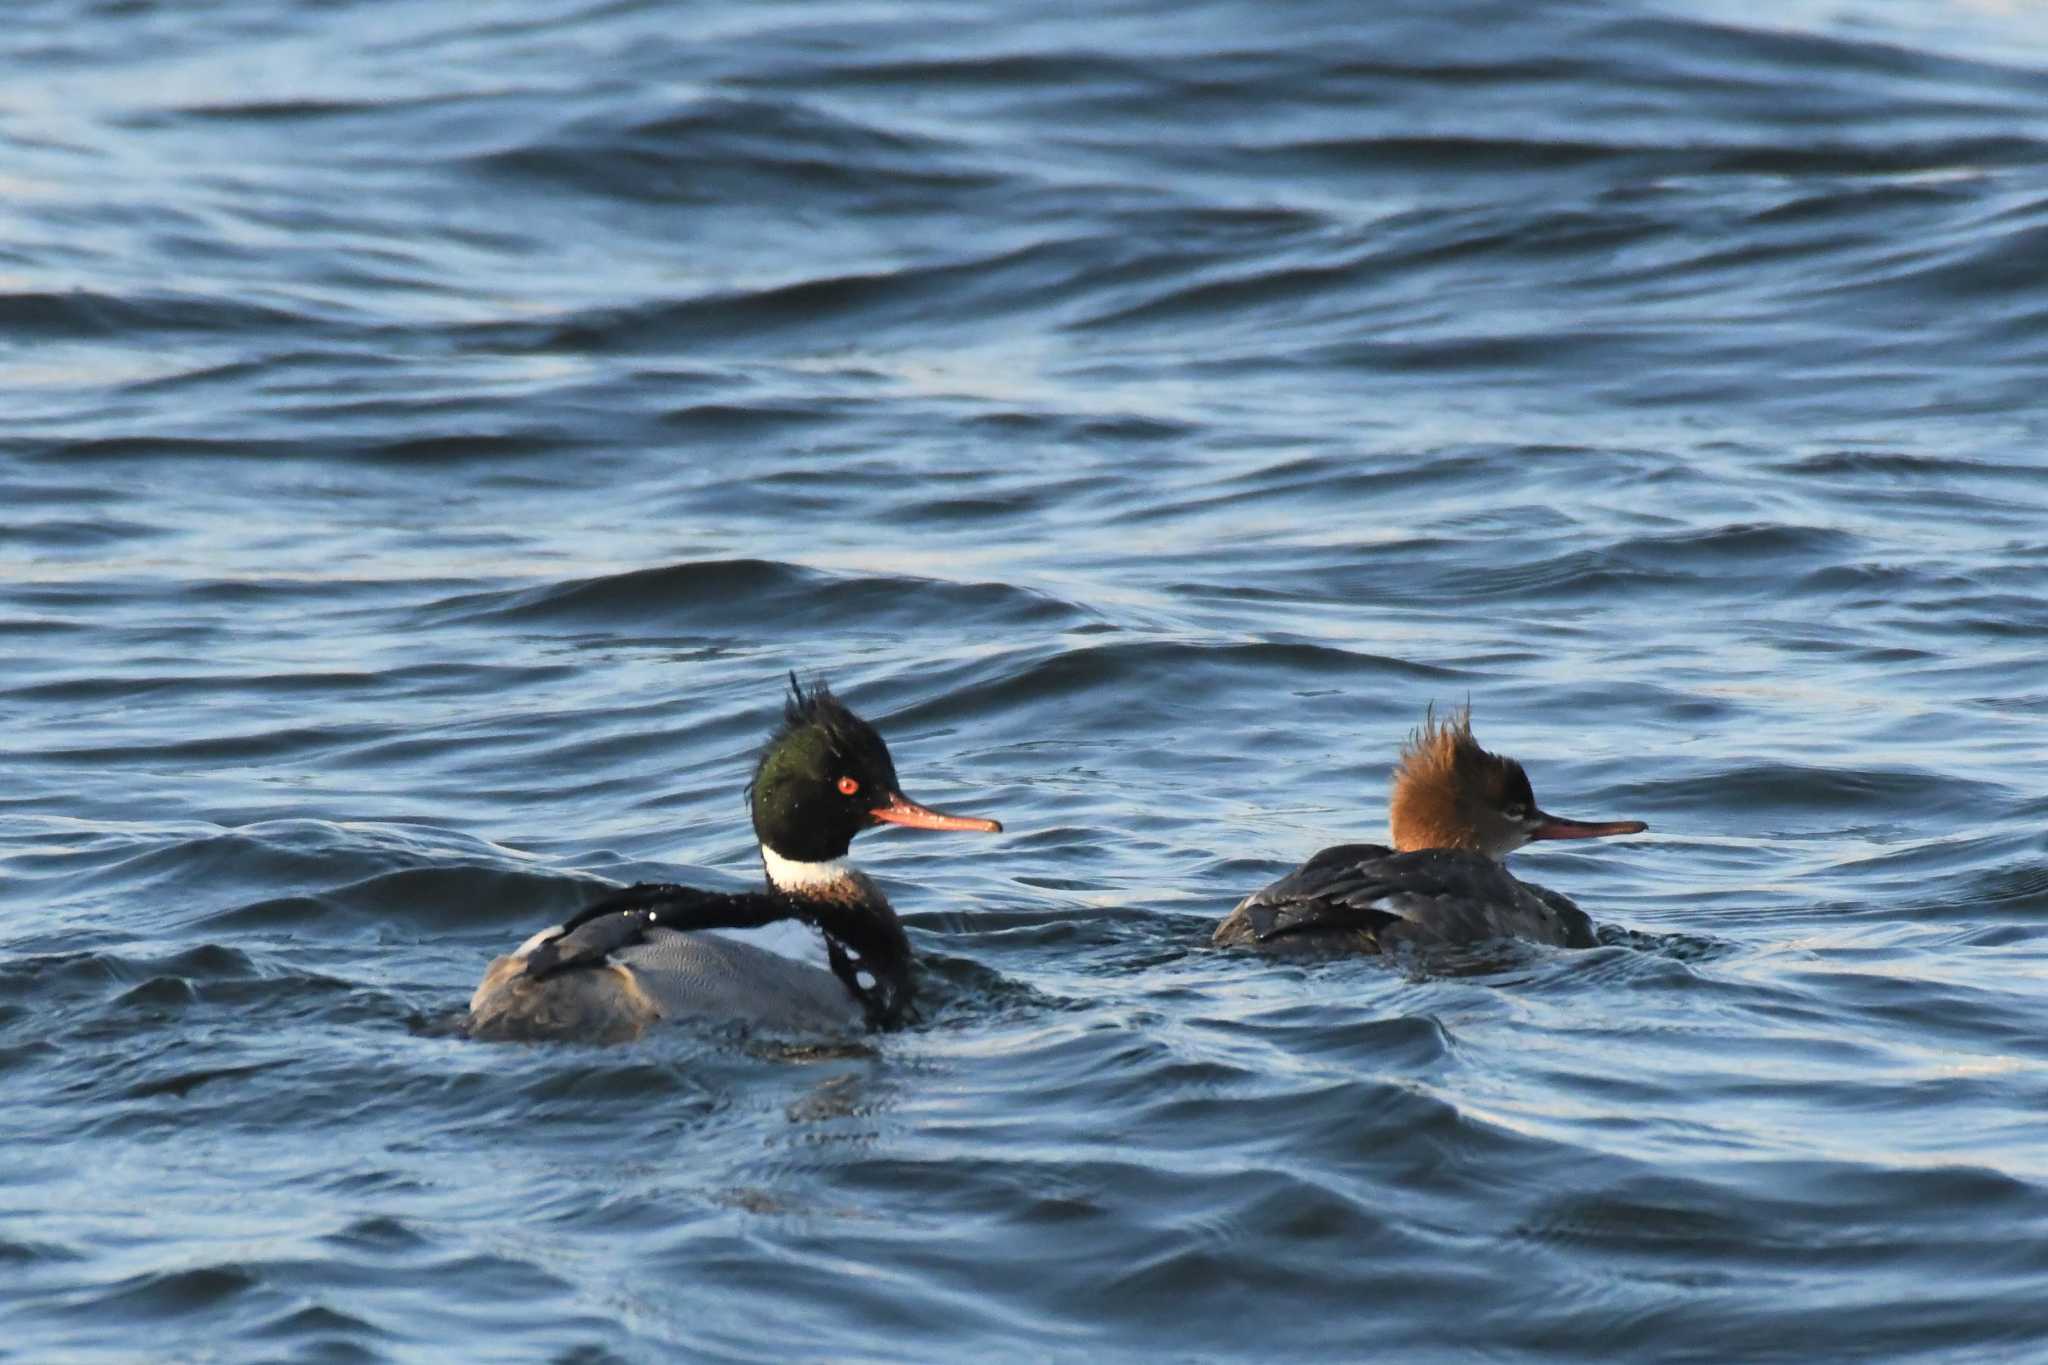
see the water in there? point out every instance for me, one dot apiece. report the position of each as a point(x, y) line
point(432, 431)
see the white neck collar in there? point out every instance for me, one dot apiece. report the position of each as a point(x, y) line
point(787, 874)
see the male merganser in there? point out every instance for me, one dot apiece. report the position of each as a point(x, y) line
point(638, 956)
point(1457, 811)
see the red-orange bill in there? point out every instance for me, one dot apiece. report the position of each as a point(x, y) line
point(1557, 827)
point(901, 810)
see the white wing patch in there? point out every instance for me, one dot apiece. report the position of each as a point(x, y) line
point(526, 949)
point(788, 938)
point(1412, 906)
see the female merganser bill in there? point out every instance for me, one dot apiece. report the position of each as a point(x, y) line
point(1457, 811)
point(640, 956)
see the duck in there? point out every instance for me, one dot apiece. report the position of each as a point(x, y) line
point(1456, 813)
point(653, 952)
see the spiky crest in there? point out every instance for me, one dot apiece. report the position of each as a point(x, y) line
point(1448, 790)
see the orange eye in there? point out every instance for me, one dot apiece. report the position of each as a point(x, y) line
point(847, 786)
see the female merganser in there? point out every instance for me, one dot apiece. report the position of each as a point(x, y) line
point(1456, 812)
point(639, 956)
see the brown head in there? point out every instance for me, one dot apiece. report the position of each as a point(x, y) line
point(1450, 793)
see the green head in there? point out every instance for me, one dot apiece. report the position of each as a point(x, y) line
point(824, 776)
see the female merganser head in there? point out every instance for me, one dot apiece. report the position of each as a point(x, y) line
point(1450, 793)
point(646, 953)
point(1456, 812)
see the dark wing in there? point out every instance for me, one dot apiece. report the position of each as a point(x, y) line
point(1326, 903)
point(1360, 893)
point(1443, 896)
point(1575, 924)
point(600, 929)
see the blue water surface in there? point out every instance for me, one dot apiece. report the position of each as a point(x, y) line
point(432, 431)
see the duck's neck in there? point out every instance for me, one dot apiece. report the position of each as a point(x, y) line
point(1497, 855)
point(835, 882)
point(868, 950)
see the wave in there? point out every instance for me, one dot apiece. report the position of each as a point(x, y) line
point(732, 592)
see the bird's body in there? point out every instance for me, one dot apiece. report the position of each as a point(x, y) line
point(1368, 898)
point(1457, 811)
point(653, 952)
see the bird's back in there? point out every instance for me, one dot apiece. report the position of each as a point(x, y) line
point(1367, 898)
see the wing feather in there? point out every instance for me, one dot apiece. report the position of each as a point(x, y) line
point(626, 917)
point(1362, 897)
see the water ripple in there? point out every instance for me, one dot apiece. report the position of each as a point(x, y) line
point(432, 442)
